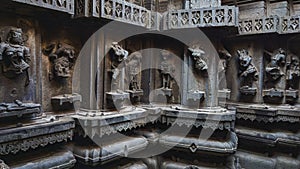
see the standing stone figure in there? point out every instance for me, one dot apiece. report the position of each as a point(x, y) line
point(133, 70)
point(118, 55)
point(15, 55)
point(167, 70)
point(293, 73)
point(247, 72)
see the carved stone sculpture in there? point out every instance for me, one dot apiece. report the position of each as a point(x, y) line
point(247, 73)
point(274, 72)
point(14, 54)
point(3, 165)
point(293, 73)
point(273, 69)
point(116, 97)
point(292, 79)
point(118, 55)
point(167, 70)
point(133, 71)
point(197, 55)
point(62, 58)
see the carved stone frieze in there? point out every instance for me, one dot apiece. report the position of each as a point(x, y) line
point(221, 120)
point(62, 57)
point(106, 124)
point(35, 142)
point(110, 129)
point(268, 114)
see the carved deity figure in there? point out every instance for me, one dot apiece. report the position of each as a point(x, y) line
point(293, 73)
point(197, 55)
point(273, 69)
point(167, 70)
point(133, 70)
point(62, 57)
point(118, 55)
point(14, 54)
point(247, 71)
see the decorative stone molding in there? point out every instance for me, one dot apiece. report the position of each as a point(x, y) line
point(227, 146)
point(267, 114)
point(220, 120)
point(58, 5)
point(19, 109)
point(95, 154)
point(35, 142)
point(38, 134)
point(99, 125)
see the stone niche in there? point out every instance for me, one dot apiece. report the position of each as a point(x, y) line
point(59, 55)
point(243, 69)
point(274, 73)
point(18, 60)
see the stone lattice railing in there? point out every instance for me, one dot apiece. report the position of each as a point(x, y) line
point(58, 5)
point(258, 25)
point(205, 17)
point(125, 12)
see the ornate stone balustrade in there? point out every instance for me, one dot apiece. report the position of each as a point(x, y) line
point(290, 24)
point(125, 12)
point(58, 5)
point(258, 25)
point(205, 17)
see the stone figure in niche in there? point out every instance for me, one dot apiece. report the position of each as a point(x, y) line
point(62, 58)
point(197, 55)
point(247, 73)
point(293, 73)
point(274, 73)
point(118, 55)
point(273, 69)
point(14, 55)
point(292, 79)
point(167, 70)
point(133, 71)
